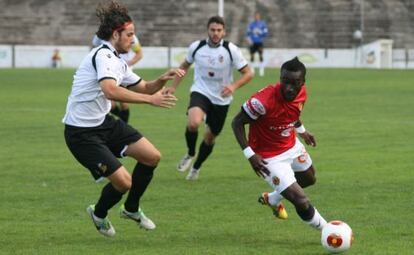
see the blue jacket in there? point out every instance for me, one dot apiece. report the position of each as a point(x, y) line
point(257, 31)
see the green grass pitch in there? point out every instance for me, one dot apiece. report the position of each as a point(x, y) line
point(363, 121)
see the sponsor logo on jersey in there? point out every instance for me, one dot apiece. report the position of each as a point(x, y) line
point(211, 74)
point(286, 132)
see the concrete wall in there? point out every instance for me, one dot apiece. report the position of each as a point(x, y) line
point(292, 23)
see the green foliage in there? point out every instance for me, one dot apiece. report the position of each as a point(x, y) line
point(363, 122)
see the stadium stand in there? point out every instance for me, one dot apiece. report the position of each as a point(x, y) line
point(292, 24)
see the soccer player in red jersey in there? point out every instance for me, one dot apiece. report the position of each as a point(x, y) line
point(272, 148)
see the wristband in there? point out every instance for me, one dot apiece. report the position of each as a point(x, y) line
point(300, 129)
point(248, 152)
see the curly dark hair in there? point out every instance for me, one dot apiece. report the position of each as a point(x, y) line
point(113, 16)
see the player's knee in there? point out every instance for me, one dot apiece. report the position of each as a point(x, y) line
point(311, 180)
point(123, 186)
point(154, 159)
point(193, 126)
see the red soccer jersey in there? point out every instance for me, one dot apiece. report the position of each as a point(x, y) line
point(273, 131)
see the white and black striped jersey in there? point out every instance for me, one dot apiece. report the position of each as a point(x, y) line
point(87, 104)
point(213, 68)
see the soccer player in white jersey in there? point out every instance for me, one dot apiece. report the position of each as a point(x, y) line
point(212, 90)
point(131, 57)
point(95, 138)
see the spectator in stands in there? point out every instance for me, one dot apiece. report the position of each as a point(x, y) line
point(212, 90)
point(56, 59)
point(256, 34)
point(95, 138)
point(132, 57)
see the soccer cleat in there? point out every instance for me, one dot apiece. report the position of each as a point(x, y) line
point(139, 217)
point(104, 226)
point(278, 210)
point(185, 163)
point(193, 174)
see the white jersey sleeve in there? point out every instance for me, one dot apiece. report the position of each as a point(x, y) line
point(191, 50)
point(130, 78)
point(96, 41)
point(107, 65)
point(238, 59)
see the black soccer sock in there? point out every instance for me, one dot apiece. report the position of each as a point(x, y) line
point(141, 177)
point(204, 151)
point(115, 111)
point(124, 115)
point(109, 197)
point(191, 139)
point(307, 214)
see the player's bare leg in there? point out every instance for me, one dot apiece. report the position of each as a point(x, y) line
point(295, 194)
point(306, 178)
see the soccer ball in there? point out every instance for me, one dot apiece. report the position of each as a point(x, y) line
point(336, 236)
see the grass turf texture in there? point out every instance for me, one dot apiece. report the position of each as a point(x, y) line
point(363, 123)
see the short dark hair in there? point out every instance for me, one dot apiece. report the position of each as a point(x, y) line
point(216, 19)
point(294, 65)
point(112, 15)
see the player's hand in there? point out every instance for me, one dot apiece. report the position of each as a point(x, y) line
point(169, 91)
point(308, 138)
point(163, 100)
point(227, 91)
point(259, 166)
point(172, 73)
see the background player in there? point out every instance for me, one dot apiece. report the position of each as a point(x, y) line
point(256, 34)
point(211, 92)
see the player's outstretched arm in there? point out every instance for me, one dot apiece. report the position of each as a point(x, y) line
point(114, 92)
point(171, 90)
point(304, 134)
point(255, 160)
point(151, 87)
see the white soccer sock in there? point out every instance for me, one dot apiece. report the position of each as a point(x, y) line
point(261, 70)
point(274, 198)
point(253, 66)
point(317, 221)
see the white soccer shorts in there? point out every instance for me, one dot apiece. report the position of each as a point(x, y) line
point(283, 167)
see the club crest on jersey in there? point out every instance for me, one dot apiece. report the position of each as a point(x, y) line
point(221, 59)
point(108, 55)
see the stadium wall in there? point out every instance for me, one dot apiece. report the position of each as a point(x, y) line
point(38, 56)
